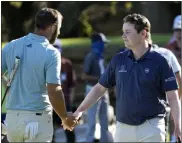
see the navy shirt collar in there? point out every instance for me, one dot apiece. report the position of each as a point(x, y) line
point(147, 55)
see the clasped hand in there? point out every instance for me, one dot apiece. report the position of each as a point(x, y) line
point(71, 121)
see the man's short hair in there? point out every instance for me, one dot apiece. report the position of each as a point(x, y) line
point(46, 17)
point(140, 22)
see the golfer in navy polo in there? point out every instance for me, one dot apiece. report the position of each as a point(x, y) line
point(144, 81)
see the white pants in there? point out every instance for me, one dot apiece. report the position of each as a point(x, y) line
point(152, 130)
point(19, 123)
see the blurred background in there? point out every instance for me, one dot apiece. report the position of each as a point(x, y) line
point(81, 19)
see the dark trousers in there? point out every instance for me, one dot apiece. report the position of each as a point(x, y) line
point(70, 135)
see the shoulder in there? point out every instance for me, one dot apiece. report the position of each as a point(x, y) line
point(52, 54)
point(14, 43)
point(164, 52)
point(90, 56)
point(51, 50)
point(162, 55)
point(123, 50)
point(120, 55)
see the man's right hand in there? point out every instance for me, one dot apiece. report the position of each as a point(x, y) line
point(78, 115)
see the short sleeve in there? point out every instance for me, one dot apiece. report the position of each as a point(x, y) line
point(107, 79)
point(53, 68)
point(88, 64)
point(167, 77)
point(174, 63)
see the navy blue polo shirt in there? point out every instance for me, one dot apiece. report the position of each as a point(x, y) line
point(140, 85)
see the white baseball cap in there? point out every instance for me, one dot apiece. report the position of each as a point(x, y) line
point(177, 22)
point(99, 37)
point(103, 37)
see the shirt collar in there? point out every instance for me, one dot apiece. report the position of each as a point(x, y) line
point(147, 55)
point(38, 38)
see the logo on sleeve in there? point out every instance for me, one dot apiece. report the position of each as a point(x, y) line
point(170, 79)
point(29, 45)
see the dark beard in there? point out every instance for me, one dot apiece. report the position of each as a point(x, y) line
point(54, 36)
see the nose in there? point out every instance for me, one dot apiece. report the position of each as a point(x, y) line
point(123, 36)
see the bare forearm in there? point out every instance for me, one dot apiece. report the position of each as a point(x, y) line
point(93, 96)
point(57, 100)
point(176, 112)
point(180, 89)
point(175, 109)
point(178, 77)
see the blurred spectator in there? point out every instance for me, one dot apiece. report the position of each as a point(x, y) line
point(68, 82)
point(175, 43)
point(175, 46)
point(93, 68)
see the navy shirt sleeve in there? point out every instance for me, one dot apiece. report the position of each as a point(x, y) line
point(168, 78)
point(107, 79)
point(88, 64)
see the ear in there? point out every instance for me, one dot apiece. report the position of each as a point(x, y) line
point(49, 29)
point(53, 27)
point(144, 33)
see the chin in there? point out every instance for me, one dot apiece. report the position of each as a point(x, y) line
point(127, 46)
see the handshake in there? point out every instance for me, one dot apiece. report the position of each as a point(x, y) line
point(71, 120)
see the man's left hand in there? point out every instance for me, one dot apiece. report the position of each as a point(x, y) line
point(70, 122)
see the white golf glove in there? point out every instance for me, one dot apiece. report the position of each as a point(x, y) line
point(31, 130)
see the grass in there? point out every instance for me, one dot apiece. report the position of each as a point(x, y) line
point(157, 38)
point(114, 40)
